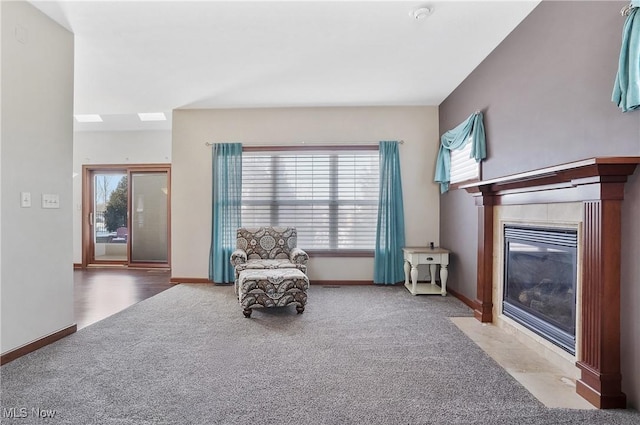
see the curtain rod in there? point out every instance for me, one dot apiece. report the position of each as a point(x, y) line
point(627, 9)
point(318, 143)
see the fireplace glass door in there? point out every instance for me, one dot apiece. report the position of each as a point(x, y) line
point(540, 281)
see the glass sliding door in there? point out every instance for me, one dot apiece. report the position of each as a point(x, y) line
point(149, 217)
point(126, 215)
point(108, 216)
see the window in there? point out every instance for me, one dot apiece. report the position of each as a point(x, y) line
point(330, 196)
point(463, 166)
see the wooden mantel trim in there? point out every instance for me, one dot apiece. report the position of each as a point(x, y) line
point(589, 179)
point(563, 173)
point(599, 184)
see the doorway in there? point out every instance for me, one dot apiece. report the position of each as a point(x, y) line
point(126, 215)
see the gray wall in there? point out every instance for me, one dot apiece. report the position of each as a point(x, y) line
point(545, 93)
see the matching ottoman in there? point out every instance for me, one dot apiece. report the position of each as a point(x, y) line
point(271, 288)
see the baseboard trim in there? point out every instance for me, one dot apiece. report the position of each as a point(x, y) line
point(189, 280)
point(77, 266)
point(177, 280)
point(462, 298)
point(340, 282)
point(35, 345)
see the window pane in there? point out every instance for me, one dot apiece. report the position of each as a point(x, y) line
point(331, 197)
point(463, 166)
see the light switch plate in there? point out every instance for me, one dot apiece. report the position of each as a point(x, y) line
point(25, 199)
point(50, 200)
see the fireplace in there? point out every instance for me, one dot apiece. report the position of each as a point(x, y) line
point(540, 270)
point(597, 186)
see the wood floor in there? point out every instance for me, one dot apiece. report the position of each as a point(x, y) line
point(101, 292)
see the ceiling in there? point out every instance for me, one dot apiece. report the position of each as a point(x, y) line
point(156, 56)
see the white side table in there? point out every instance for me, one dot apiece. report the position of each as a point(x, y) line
point(413, 256)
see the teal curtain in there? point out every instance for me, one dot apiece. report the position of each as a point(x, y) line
point(388, 259)
point(227, 200)
point(472, 129)
point(626, 90)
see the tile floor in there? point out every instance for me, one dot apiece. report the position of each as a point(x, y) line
point(549, 383)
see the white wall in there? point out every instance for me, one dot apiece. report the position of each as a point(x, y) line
point(112, 147)
point(191, 171)
point(37, 137)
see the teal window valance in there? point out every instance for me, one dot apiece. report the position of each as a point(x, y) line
point(626, 90)
point(471, 130)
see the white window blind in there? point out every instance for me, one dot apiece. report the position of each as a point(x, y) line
point(463, 168)
point(331, 197)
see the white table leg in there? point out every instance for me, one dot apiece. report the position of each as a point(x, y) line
point(432, 273)
point(444, 274)
point(407, 269)
point(414, 279)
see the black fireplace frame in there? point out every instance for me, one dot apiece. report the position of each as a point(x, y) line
point(542, 237)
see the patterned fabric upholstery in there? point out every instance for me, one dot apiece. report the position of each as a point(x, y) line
point(270, 270)
point(269, 248)
point(271, 288)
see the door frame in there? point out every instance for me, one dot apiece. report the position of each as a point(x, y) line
point(87, 202)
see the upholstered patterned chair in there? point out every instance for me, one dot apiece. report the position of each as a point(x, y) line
point(270, 270)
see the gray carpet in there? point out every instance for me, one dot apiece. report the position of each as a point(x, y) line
point(358, 355)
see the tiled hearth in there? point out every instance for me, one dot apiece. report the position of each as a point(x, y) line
point(585, 195)
point(550, 380)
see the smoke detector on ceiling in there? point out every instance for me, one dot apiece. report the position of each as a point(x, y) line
point(421, 13)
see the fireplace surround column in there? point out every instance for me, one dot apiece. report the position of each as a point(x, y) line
point(599, 363)
point(483, 303)
point(598, 183)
